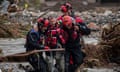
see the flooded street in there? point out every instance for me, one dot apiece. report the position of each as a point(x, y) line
point(9, 47)
point(101, 48)
point(12, 46)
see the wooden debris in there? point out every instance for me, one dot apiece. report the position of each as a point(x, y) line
point(107, 50)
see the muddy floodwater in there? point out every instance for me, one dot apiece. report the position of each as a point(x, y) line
point(9, 47)
point(12, 46)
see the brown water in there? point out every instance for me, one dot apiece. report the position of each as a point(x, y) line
point(12, 46)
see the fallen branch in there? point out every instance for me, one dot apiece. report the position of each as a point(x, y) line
point(22, 57)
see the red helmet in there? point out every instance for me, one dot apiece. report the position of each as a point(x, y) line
point(64, 8)
point(46, 23)
point(43, 22)
point(67, 21)
point(78, 20)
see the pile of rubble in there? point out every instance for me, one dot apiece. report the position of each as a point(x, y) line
point(110, 42)
point(78, 5)
point(15, 67)
point(107, 50)
point(100, 18)
point(12, 30)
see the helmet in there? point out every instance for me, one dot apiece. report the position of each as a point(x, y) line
point(78, 20)
point(46, 23)
point(42, 22)
point(67, 21)
point(64, 8)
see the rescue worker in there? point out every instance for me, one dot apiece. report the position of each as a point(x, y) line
point(33, 43)
point(66, 9)
point(71, 34)
point(52, 41)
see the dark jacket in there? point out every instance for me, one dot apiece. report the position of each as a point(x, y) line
point(84, 30)
point(32, 40)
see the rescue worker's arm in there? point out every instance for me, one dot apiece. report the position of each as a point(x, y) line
point(33, 38)
point(84, 29)
point(60, 37)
